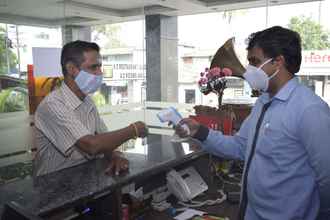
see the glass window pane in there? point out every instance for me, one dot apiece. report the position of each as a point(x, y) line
point(122, 96)
point(16, 43)
point(196, 49)
point(311, 21)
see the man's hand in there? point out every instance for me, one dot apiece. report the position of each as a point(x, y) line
point(118, 164)
point(140, 129)
point(192, 125)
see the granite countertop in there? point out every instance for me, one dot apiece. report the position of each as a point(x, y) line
point(59, 189)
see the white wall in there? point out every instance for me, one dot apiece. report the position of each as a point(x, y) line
point(182, 93)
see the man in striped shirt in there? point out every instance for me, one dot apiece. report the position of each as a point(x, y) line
point(69, 130)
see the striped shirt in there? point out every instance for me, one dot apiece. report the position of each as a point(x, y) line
point(61, 120)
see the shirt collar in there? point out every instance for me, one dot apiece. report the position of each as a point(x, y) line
point(284, 93)
point(71, 99)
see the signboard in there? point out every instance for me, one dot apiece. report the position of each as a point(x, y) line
point(107, 71)
point(316, 58)
point(315, 62)
point(126, 71)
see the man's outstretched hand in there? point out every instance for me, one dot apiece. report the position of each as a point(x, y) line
point(140, 129)
point(118, 164)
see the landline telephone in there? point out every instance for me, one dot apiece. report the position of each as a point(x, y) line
point(185, 184)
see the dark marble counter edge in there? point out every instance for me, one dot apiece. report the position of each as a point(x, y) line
point(119, 181)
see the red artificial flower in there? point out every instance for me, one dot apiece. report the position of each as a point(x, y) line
point(212, 80)
point(215, 72)
point(227, 72)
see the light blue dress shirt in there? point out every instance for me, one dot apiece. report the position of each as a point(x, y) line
point(289, 176)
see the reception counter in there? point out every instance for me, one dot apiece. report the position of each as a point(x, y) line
point(52, 193)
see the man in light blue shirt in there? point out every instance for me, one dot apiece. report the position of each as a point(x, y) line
point(285, 141)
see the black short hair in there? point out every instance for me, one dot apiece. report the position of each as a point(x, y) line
point(74, 52)
point(276, 41)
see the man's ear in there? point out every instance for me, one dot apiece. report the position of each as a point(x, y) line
point(279, 61)
point(72, 69)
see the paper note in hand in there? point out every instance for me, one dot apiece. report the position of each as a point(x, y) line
point(171, 115)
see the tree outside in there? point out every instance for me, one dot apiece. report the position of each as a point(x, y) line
point(108, 33)
point(3, 53)
point(228, 15)
point(313, 35)
point(13, 99)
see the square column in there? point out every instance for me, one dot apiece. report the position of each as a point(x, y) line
point(162, 58)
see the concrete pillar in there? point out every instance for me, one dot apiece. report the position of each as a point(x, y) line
point(72, 33)
point(162, 58)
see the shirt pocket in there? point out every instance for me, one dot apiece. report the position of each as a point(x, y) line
point(271, 138)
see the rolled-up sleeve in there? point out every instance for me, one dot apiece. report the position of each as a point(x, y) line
point(60, 125)
point(228, 146)
point(315, 137)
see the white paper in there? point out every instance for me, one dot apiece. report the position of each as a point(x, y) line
point(189, 213)
point(46, 61)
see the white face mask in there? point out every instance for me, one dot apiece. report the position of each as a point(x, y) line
point(88, 83)
point(257, 78)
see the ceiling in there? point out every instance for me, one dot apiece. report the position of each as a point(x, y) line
point(90, 12)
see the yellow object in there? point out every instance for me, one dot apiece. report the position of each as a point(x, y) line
point(44, 85)
point(39, 87)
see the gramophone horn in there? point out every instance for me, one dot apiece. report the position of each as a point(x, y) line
point(226, 57)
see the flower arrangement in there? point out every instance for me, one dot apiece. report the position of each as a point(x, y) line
point(213, 80)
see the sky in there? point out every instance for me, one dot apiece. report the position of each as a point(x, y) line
point(242, 24)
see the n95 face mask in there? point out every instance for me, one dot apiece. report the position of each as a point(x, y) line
point(88, 83)
point(257, 78)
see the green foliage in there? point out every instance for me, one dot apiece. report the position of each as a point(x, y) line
point(13, 99)
point(3, 98)
point(98, 99)
point(313, 35)
point(110, 31)
point(228, 15)
point(3, 55)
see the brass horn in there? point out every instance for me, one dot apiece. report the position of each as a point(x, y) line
point(226, 57)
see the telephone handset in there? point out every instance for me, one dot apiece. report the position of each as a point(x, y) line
point(185, 184)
